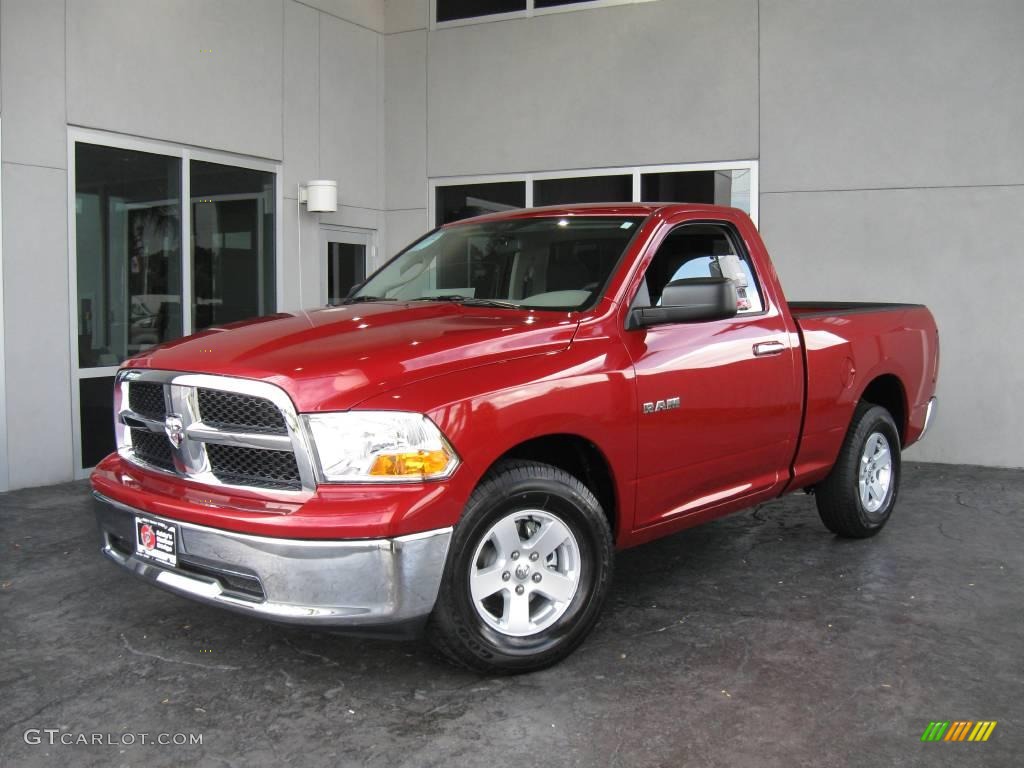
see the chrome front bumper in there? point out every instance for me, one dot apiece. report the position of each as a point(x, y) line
point(357, 584)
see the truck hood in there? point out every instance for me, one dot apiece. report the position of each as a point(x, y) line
point(334, 358)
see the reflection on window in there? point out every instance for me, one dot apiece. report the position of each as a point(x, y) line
point(583, 189)
point(728, 187)
point(346, 267)
point(464, 200)
point(128, 246)
point(543, 262)
point(449, 10)
point(700, 250)
point(232, 243)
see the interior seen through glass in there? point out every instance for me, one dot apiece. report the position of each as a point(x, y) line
point(346, 267)
point(129, 261)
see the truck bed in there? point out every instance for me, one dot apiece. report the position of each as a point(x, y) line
point(897, 343)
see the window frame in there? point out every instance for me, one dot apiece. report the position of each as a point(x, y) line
point(185, 154)
point(738, 244)
point(637, 171)
point(529, 12)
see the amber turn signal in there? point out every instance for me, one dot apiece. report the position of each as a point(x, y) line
point(411, 464)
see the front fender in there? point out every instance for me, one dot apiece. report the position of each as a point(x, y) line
point(587, 390)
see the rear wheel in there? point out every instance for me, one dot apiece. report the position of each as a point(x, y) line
point(857, 498)
point(527, 574)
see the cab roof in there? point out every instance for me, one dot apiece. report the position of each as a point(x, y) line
point(599, 209)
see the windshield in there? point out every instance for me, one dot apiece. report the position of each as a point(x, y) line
point(557, 262)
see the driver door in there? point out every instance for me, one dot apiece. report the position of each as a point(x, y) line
point(719, 401)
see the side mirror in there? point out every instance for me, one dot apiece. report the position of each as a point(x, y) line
point(689, 300)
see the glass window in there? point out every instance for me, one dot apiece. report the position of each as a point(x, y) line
point(544, 263)
point(728, 187)
point(128, 246)
point(583, 189)
point(129, 262)
point(700, 250)
point(555, 3)
point(346, 266)
point(449, 10)
point(461, 201)
point(232, 243)
point(96, 418)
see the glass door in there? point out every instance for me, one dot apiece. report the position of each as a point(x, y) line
point(164, 241)
point(346, 257)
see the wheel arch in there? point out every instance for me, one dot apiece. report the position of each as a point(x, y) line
point(578, 456)
point(887, 390)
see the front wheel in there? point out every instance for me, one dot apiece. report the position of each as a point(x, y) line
point(529, 569)
point(857, 498)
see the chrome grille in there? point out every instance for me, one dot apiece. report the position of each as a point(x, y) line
point(226, 431)
point(243, 413)
point(152, 448)
point(147, 400)
point(248, 466)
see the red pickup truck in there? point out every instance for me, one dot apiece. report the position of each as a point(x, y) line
point(462, 444)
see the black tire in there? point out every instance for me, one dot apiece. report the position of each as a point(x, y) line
point(460, 632)
point(838, 496)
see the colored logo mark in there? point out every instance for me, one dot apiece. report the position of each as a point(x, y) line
point(958, 730)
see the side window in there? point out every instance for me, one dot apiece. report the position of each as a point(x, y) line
point(700, 250)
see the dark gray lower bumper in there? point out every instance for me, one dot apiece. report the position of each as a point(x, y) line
point(357, 584)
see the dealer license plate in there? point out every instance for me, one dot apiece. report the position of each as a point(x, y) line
point(156, 541)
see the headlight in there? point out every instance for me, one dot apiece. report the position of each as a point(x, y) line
point(379, 446)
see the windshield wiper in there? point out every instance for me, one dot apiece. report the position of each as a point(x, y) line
point(470, 301)
point(362, 299)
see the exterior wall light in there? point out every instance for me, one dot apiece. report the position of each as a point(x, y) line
point(319, 195)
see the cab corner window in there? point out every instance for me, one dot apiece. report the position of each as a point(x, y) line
point(700, 250)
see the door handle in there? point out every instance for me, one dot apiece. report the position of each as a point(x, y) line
point(765, 348)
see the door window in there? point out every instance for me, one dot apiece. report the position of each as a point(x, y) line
point(700, 250)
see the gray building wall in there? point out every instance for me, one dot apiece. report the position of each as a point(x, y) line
point(887, 135)
point(890, 163)
point(301, 84)
point(892, 167)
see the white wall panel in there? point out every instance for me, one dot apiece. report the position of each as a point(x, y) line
point(351, 112)
point(405, 15)
point(405, 77)
point(661, 82)
point(190, 71)
point(37, 347)
point(301, 118)
point(876, 93)
point(32, 71)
